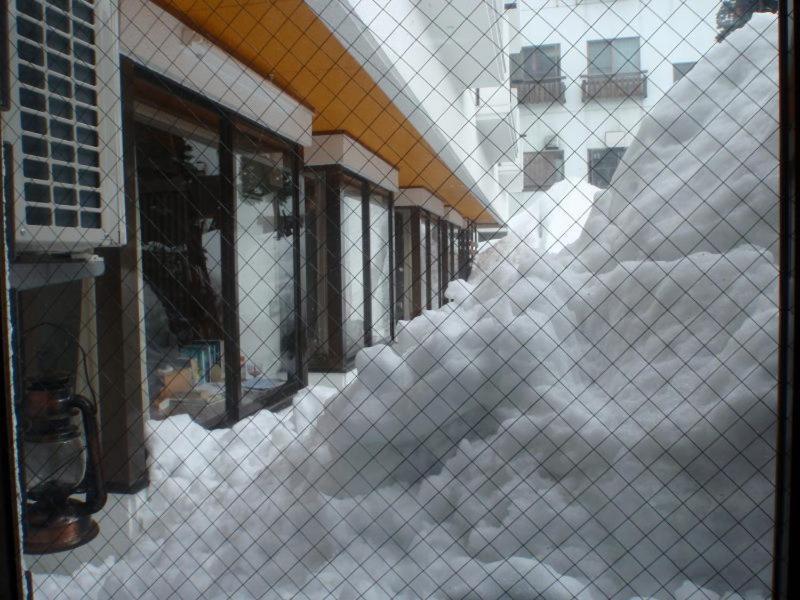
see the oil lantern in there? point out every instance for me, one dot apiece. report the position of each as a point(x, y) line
point(62, 458)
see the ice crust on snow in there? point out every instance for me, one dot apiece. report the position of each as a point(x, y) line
point(596, 423)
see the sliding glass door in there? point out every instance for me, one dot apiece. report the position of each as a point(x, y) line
point(265, 274)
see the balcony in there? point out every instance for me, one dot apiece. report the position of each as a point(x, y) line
point(547, 90)
point(619, 85)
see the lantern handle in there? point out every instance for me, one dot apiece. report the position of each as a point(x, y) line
point(95, 485)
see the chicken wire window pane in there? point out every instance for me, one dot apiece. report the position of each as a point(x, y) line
point(593, 414)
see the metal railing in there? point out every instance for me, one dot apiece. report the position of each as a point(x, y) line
point(617, 85)
point(548, 89)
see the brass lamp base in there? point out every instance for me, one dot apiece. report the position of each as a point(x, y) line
point(57, 527)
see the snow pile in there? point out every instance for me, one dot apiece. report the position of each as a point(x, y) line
point(595, 423)
point(555, 217)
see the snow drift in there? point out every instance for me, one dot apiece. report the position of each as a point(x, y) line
point(596, 423)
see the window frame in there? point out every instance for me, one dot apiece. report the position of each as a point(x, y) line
point(419, 219)
point(558, 174)
point(610, 45)
point(333, 356)
point(594, 157)
point(133, 74)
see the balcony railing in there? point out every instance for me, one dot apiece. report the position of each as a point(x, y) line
point(549, 89)
point(619, 85)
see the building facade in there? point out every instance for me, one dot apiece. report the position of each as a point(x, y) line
point(583, 73)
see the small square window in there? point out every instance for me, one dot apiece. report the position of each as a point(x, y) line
point(603, 163)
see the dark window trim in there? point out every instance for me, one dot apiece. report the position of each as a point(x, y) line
point(524, 55)
point(592, 155)
point(785, 578)
point(228, 121)
point(428, 278)
point(557, 163)
point(335, 176)
point(5, 67)
point(399, 265)
point(418, 217)
point(12, 569)
point(374, 189)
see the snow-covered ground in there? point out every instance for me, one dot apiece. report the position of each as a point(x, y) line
point(594, 423)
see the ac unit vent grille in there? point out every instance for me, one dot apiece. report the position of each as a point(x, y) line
point(58, 113)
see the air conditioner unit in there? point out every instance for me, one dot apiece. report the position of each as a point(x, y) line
point(62, 133)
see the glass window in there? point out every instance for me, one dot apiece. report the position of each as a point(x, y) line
point(679, 70)
point(380, 268)
point(317, 259)
point(264, 236)
point(405, 278)
point(178, 181)
point(542, 169)
point(610, 57)
point(424, 247)
point(435, 263)
point(444, 254)
point(603, 163)
point(536, 63)
point(453, 251)
point(401, 297)
point(352, 236)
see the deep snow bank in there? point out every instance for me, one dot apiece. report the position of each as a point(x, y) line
point(555, 217)
point(592, 424)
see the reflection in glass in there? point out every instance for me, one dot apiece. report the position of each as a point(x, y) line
point(453, 249)
point(319, 340)
point(434, 266)
point(380, 270)
point(178, 183)
point(424, 260)
point(352, 269)
point(264, 237)
point(404, 261)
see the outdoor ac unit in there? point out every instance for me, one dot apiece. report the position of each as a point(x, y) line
point(62, 133)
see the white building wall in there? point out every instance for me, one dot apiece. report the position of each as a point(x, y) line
point(409, 49)
point(670, 31)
